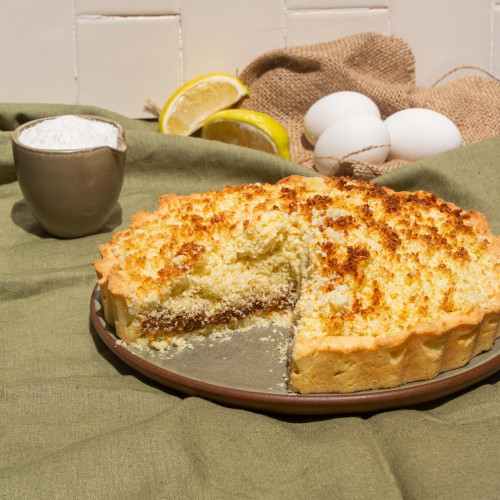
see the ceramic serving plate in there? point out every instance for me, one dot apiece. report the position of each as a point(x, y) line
point(248, 370)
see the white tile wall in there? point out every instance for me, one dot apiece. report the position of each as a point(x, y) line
point(36, 50)
point(441, 42)
point(117, 53)
point(495, 52)
point(312, 26)
point(226, 35)
point(334, 4)
point(127, 7)
point(121, 61)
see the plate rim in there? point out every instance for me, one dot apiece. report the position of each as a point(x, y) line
point(299, 404)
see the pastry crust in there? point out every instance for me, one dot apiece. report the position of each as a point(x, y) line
point(351, 364)
point(386, 287)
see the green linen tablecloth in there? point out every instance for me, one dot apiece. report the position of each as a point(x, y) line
point(76, 422)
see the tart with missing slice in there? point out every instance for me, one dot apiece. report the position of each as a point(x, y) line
point(382, 287)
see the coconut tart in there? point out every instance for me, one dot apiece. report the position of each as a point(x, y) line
point(382, 287)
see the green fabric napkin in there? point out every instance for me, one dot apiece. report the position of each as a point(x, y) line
point(76, 422)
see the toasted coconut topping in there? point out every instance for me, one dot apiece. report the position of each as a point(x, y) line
point(361, 260)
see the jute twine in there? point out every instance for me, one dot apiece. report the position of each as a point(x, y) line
point(284, 83)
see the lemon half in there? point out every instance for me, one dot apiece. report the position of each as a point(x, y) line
point(191, 104)
point(247, 128)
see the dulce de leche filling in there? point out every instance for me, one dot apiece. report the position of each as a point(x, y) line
point(161, 323)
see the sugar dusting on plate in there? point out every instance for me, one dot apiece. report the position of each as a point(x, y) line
point(69, 132)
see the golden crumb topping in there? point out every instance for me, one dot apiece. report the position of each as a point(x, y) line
point(352, 258)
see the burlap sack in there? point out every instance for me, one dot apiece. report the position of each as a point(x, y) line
point(284, 83)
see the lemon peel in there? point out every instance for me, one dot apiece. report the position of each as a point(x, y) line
point(252, 129)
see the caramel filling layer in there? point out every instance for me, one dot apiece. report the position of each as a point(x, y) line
point(163, 322)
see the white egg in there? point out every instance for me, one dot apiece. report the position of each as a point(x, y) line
point(348, 136)
point(333, 107)
point(418, 133)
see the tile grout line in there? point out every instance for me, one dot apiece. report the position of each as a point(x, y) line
point(73, 36)
point(75, 59)
point(181, 42)
point(492, 37)
point(389, 17)
point(285, 24)
point(337, 9)
point(99, 17)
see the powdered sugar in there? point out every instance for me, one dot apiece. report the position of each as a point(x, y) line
point(69, 132)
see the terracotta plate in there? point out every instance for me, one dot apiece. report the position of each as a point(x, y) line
point(248, 370)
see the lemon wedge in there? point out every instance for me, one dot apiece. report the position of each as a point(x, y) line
point(247, 128)
point(192, 103)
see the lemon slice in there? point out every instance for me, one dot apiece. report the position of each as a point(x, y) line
point(250, 129)
point(189, 107)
